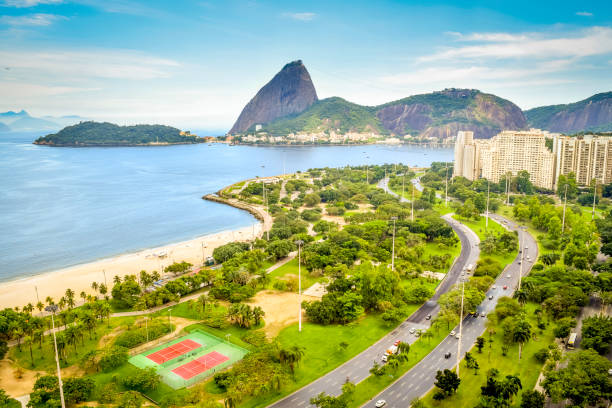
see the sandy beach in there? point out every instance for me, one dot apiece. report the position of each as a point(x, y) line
point(79, 278)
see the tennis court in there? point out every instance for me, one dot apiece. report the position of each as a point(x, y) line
point(189, 359)
point(174, 351)
point(200, 365)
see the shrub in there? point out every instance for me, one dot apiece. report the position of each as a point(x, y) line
point(142, 380)
point(113, 357)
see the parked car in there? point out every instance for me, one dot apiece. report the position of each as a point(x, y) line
point(412, 330)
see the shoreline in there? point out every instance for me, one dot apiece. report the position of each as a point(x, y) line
point(21, 291)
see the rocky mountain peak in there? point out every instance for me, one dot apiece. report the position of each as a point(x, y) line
point(290, 92)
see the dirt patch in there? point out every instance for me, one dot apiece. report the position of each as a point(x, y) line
point(13, 386)
point(281, 309)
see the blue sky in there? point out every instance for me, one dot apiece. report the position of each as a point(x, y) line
point(194, 64)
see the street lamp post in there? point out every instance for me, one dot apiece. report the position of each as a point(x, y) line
point(393, 248)
point(53, 309)
point(299, 243)
point(460, 327)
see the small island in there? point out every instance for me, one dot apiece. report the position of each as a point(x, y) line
point(108, 134)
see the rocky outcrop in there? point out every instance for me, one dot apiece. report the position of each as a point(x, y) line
point(441, 114)
point(594, 113)
point(290, 92)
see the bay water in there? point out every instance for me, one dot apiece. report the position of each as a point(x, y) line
point(63, 206)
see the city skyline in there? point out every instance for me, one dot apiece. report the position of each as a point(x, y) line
point(196, 64)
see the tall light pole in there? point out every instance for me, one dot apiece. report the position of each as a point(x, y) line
point(53, 309)
point(488, 194)
point(460, 326)
point(393, 248)
point(299, 243)
point(564, 205)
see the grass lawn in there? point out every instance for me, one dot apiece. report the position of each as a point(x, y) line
point(44, 359)
point(432, 248)
point(528, 368)
point(322, 351)
point(480, 228)
point(291, 268)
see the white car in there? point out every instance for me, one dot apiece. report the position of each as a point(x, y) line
point(380, 403)
point(494, 287)
point(457, 336)
point(411, 331)
point(508, 276)
point(452, 333)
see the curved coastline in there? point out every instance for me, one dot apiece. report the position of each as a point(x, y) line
point(31, 289)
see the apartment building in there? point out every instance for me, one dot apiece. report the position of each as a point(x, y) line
point(588, 157)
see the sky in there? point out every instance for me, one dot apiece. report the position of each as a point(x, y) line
point(195, 64)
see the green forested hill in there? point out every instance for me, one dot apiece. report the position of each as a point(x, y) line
point(594, 114)
point(334, 113)
point(109, 134)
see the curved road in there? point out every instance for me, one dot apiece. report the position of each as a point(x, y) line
point(358, 368)
point(420, 379)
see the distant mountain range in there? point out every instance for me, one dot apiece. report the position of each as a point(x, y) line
point(288, 104)
point(22, 122)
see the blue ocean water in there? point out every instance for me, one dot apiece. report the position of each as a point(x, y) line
point(65, 206)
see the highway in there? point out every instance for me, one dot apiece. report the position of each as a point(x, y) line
point(420, 379)
point(358, 368)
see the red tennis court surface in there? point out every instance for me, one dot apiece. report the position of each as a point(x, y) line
point(173, 351)
point(197, 366)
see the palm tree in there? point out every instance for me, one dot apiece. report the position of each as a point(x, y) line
point(17, 333)
point(83, 296)
point(95, 286)
point(103, 289)
point(403, 347)
point(28, 309)
point(70, 298)
point(105, 310)
point(89, 321)
point(49, 300)
point(62, 302)
point(521, 334)
point(258, 313)
point(428, 335)
point(40, 306)
point(72, 336)
point(521, 296)
point(38, 336)
point(116, 279)
point(393, 363)
point(27, 340)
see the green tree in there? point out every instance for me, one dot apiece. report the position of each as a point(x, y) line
point(585, 380)
point(448, 381)
point(532, 399)
point(480, 342)
point(142, 380)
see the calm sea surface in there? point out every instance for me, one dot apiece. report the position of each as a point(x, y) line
point(65, 206)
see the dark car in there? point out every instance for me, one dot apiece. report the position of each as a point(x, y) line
point(447, 355)
point(428, 317)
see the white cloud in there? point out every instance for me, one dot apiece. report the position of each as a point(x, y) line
point(300, 16)
point(58, 65)
point(593, 41)
point(584, 13)
point(30, 20)
point(449, 75)
point(27, 3)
